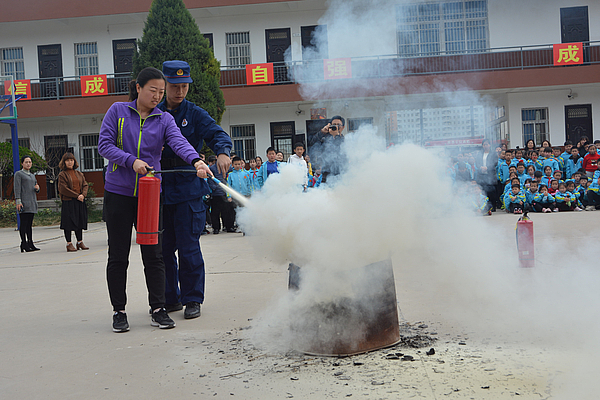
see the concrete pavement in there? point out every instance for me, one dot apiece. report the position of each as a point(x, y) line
point(57, 341)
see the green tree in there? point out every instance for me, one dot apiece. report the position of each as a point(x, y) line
point(170, 33)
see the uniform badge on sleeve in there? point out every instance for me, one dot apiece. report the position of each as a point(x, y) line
point(184, 122)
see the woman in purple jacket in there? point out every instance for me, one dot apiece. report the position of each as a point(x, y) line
point(131, 138)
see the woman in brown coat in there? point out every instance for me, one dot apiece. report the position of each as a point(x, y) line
point(72, 188)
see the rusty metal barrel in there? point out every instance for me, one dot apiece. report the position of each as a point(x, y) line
point(360, 320)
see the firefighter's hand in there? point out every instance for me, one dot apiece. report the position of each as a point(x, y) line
point(229, 199)
point(139, 166)
point(223, 163)
point(202, 170)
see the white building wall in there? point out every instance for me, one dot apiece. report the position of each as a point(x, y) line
point(555, 99)
point(533, 22)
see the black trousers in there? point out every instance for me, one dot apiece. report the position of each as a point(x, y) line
point(78, 235)
point(593, 198)
point(121, 215)
point(26, 227)
point(221, 209)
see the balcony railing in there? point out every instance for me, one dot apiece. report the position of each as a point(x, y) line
point(385, 66)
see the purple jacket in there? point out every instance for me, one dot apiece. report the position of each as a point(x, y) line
point(124, 138)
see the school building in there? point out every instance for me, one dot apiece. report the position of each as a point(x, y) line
point(437, 73)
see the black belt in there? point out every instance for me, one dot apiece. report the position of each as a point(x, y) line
point(167, 163)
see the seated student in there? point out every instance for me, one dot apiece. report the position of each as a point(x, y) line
point(535, 161)
point(590, 161)
point(461, 160)
point(515, 200)
point(543, 201)
point(549, 160)
point(530, 193)
point(553, 187)
point(462, 172)
point(268, 168)
point(556, 155)
point(557, 175)
point(566, 154)
point(571, 189)
point(298, 159)
point(518, 157)
point(530, 171)
point(507, 187)
point(565, 201)
point(573, 163)
point(239, 178)
point(315, 180)
point(538, 177)
point(503, 165)
point(593, 194)
point(575, 178)
point(480, 202)
point(547, 176)
point(582, 189)
point(521, 172)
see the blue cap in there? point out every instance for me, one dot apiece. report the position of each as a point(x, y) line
point(177, 71)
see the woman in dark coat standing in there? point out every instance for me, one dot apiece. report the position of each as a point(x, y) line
point(72, 188)
point(26, 188)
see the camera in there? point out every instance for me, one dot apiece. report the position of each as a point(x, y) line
point(333, 127)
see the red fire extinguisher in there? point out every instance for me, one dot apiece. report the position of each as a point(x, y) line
point(525, 242)
point(148, 210)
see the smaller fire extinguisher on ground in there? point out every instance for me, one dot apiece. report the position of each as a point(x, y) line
point(525, 244)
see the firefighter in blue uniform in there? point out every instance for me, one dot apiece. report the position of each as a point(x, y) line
point(184, 215)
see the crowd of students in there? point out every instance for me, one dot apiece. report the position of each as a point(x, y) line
point(545, 179)
point(247, 177)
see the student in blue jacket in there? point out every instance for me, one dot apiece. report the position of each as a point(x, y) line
point(573, 163)
point(515, 200)
point(239, 179)
point(543, 201)
point(268, 168)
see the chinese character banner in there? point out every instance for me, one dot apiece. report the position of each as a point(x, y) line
point(337, 68)
point(259, 74)
point(94, 85)
point(22, 88)
point(568, 53)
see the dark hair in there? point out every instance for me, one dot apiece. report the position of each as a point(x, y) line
point(562, 184)
point(143, 77)
point(298, 144)
point(259, 157)
point(547, 149)
point(532, 182)
point(577, 172)
point(212, 158)
point(484, 141)
point(516, 185)
point(569, 183)
point(340, 118)
point(538, 174)
point(269, 149)
point(65, 157)
point(528, 180)
point(556, 170)
point(584, 177)
point(527, 142)
point(279, 152)
point(512, 166)
point(543, 186)
point(520, 163)
point(24, 157)
point(547, 166)
point(236, 158)
point(568, 142)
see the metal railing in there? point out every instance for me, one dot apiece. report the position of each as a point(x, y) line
point(384, 66)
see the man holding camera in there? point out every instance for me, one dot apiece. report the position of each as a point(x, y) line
point(326, 147)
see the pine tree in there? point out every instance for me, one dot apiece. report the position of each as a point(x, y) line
point(170, 33)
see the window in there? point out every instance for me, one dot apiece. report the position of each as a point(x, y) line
point(497, 129)
point(244, 142)
point(238, 48)
point(355, 123)
point(535, 124)
point(88, 153)
point(11, 62)
point(448, 28)
point(86, 59)
point(23, 142)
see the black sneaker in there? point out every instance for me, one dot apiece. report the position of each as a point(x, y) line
point(120, 323)
point(170, 308)
point(161, 319)
point(192, 310)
